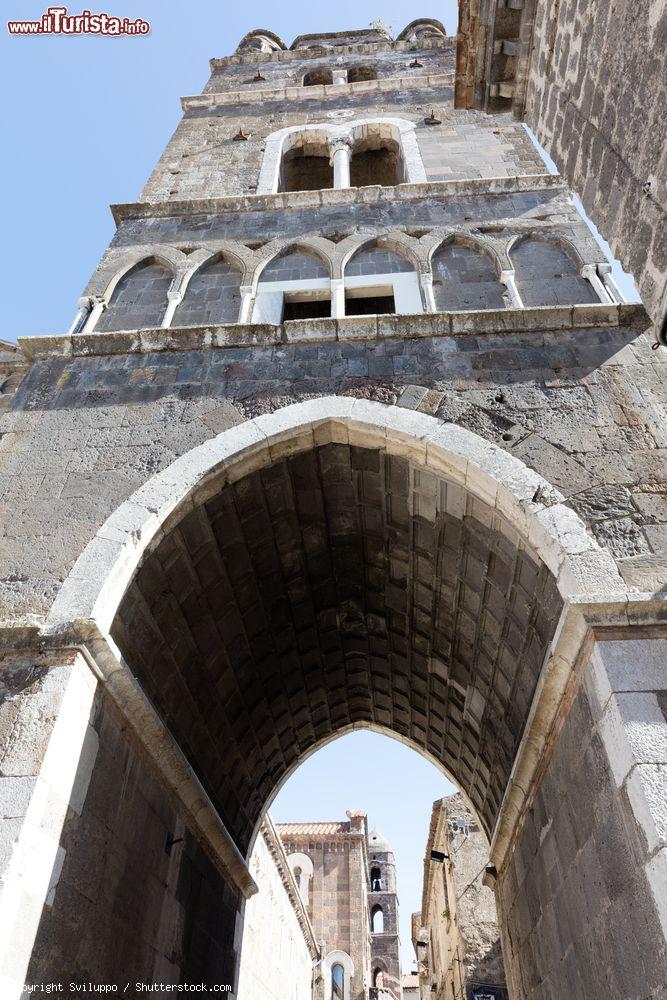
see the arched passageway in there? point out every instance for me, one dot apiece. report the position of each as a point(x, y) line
point(339, 587)
point(336, 565)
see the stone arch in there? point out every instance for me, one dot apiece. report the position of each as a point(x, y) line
point(311, 248)
point(322, 76)
point(492, 487)
point(117, 264)
point(395, 134)
point(377, 919)
point(305, 163)
point(465, 276)
point(400, 130)
point(220, 276)
point(361, 74)
point(293, 283)
point(382, 276)
point(301, 866)
point(421, 27)
point(261, 40)
point(328, 962)
point(138, 296)
point(398, 244)
point(547, 270)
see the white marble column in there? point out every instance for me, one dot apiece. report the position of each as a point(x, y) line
point(339, 76)
point(507, 278)
point(340, 157)
point(589, 272)
point(337, 297)
point(84, 306)
point(246, 303)
point(174, 300)
point(98, 306)
point(613, 291)
point(426, 282)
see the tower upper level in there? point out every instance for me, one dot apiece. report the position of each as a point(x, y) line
point(334, 178)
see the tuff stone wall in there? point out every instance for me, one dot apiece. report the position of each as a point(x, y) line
point(583, 408)
point(202, 160)
point(597, 822)
point(168, 915)
point(596, 94)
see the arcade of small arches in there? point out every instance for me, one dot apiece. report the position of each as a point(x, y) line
point(443, 271)
point(262, 41)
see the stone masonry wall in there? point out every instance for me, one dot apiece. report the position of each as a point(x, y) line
point(582, 900)
point(581, 408)
point(597, 91)
point(167, 916)
point(202, 160)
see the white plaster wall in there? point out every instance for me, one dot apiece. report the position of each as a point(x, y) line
point(275, 960)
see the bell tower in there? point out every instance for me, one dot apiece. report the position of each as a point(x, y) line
point(383, 906)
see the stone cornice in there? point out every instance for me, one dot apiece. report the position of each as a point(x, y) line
point(277, 851)
point(371, 195)
point(319, 93)
point(499, 322)
point(252, 58)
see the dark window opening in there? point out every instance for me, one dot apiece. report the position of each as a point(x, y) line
point(376, 880)
point(306, 308)
point(369, 305)
point(318, 78)
point(338, 982)
point(374, 166)
point(359, 73)
point(305, 171)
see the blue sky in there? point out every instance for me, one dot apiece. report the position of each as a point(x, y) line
point(393, 784)
point(85, 120)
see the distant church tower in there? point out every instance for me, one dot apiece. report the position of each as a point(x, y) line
point(383, 905)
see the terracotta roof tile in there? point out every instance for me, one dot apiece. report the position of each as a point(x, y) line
point(311, 829)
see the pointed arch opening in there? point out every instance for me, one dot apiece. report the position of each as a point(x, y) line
point(139, 299)
point(465, 278)
point(212, 295)
point(547, 275)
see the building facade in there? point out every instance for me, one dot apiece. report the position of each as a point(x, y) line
point(320, 453)
point(279, 953)
point(456, 934)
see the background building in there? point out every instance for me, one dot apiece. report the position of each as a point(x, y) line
point(456, 935)
point(279, 953)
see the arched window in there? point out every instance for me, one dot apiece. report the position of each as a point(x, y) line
point(358, 73)
point(545, 275)
point(318, 78)
point(379, 280)
point(302, 871)
point(306, 166)
point(294, 285)
point(139, 299)
point(338, 982)
point(465, 279)
point(212, 295)
point(376, 160)
point(376, 880)
point(377, 978)
point(377, 920)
